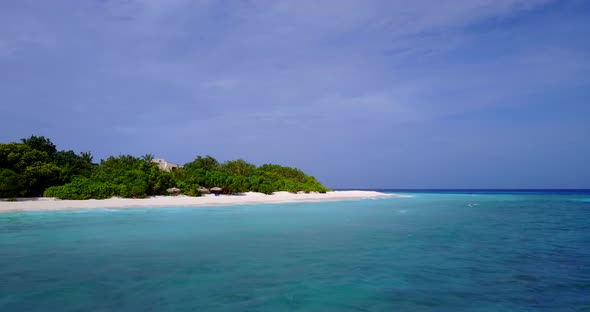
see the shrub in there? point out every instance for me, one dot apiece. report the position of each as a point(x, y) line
point(82, 188)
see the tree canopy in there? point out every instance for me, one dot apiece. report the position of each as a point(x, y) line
point(34, 167)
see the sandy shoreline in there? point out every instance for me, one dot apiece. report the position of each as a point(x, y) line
point(51, 204)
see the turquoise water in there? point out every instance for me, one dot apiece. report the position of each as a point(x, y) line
point(430, 252)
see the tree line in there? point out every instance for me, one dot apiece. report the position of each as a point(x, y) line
point(34, 167)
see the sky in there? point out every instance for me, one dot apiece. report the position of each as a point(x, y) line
point(359, 94)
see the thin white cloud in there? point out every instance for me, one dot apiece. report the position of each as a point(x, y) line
point(220, 84)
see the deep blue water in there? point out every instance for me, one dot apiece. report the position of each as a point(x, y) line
point(449, 251)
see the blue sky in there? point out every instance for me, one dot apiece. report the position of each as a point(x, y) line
point(386, 94)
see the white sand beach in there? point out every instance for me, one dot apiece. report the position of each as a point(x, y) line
point(50, 204)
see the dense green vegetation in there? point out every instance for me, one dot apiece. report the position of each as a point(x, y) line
point(34, 167)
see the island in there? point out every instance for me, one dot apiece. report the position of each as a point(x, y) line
point(35, 175)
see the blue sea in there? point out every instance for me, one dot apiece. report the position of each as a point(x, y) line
point(433, 251)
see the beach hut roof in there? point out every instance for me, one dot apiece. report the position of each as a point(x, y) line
point(203, 190)
point(173, 190)
point(216, 189)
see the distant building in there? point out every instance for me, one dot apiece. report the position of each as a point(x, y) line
point(164, 165)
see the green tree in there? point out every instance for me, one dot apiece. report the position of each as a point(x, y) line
point(17, 157)
point(40, 143)
point(11, 183)
point(238, 167)
point(40, 176)
point(206, 163)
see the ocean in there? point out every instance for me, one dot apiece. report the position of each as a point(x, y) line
point(433, 251)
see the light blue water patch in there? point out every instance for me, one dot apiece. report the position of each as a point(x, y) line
point(429, 252)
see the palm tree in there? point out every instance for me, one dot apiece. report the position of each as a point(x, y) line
point(86, 157)
point(148, 158)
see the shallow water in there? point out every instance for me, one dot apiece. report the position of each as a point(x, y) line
point(429, 252)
